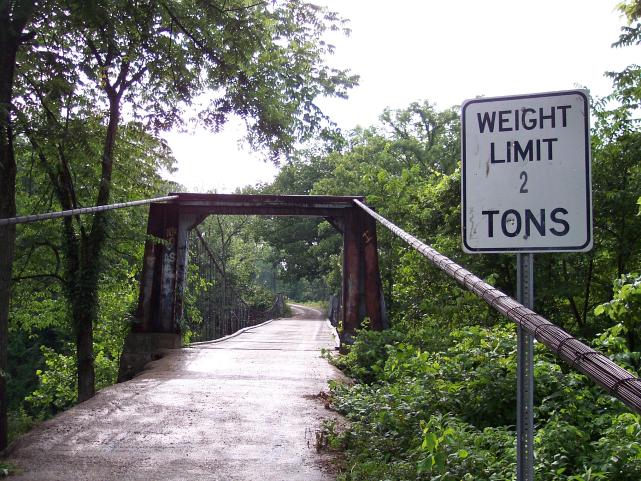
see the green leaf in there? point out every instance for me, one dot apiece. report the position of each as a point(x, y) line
point(430, 442)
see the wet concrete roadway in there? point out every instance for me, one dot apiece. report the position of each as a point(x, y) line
point(241, 409)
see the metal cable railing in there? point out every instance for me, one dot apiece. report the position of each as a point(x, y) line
point(619, 382)
point(25, 219)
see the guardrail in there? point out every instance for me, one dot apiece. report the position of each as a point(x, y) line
point(622, 384)
point(223, 309)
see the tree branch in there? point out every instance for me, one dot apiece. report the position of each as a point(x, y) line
point(134, 78)
point(39, 276)
point(191, 36)
point(33, 248)
point(240, 9)
point(95, 53)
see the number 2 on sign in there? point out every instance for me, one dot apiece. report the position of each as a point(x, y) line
point(523, 176)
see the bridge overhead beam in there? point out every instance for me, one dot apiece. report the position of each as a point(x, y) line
point(271, 205)
point(162, 286)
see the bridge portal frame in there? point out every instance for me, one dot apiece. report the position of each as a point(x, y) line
point(162, 286)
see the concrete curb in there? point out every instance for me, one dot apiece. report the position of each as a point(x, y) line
point(237, 333)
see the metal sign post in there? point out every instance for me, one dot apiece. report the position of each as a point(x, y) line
point(525, 374)
point(526, 187)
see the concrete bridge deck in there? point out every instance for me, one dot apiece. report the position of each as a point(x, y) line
point(243, 409)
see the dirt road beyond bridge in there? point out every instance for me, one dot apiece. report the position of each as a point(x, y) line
point(245, 408)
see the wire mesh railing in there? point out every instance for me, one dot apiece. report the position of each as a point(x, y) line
point(219, 301)
point(619, 382)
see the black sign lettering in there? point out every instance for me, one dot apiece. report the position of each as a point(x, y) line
point(555, 218)
point(530, 220)
point(513, 221)
point(525, 118)
point(505, 220)
point(490, 221)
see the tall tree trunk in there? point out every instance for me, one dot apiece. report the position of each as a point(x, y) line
point(7, 209)
point(85, 355)
point(85, 299)
point(13, 18)
point(82, 295)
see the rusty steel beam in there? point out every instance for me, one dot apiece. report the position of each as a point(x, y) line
point(375, 308)
point(186, 222)
point(345, 201)
point(143, 311)
point(268, 210)
point(351, 274)
point(165, 317)
point(155, 302)
point(277, 205)
point(362, 286)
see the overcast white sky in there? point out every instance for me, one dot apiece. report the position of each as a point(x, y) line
point(443, 51)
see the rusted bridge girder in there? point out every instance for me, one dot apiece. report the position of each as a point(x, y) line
point(162, 287)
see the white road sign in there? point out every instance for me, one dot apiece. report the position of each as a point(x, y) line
point(526, 184)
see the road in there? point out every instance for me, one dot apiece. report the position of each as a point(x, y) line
point(243, 409)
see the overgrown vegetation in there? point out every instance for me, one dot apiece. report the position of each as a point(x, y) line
point(434, 397)
point(446, 411)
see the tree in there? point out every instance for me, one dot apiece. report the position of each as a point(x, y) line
point(303, 248)
point(627, 83)
point(41, 334)
point(15, 16)
point(422, 135)
point(263, 62)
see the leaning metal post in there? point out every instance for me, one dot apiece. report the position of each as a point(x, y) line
point(525, 374)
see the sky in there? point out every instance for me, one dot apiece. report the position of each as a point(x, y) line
point(441, 51)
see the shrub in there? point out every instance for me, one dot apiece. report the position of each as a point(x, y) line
point(449, 414)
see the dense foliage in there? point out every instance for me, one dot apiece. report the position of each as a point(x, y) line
point(446, 411)
point(86, 88)
point(434, 397)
